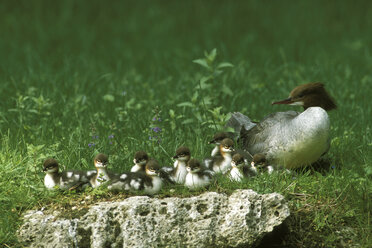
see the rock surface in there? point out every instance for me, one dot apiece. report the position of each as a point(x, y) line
point(208, 220)
point(238, 121)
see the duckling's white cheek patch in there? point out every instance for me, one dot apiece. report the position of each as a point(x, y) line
point(89, 173)
point(69, 174)
point(123, 176)
point(49, 182)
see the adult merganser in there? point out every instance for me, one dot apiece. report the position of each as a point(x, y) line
point(292, 139)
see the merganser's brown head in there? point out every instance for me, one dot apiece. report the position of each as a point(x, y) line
point(50, 166)
point(182, 153)
point(237, 160)
point(310, 95)
point(101, 160)
point(152, 167)
point(259, 159)
point(193, 166)
point(227, 146)
point(140, 158)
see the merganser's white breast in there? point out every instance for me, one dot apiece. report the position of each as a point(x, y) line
point(156, 186)
point(49, 181)
point(236, 174)
point(194, 180)
point(180, 172)
point(292, 139)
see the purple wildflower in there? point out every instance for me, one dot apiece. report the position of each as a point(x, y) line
point(111, 136)
point(154, 119)
point(156, 129)
point(91, 144)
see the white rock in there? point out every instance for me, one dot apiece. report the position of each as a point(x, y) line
point(208, 220)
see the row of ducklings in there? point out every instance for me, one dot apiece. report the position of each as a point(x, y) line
point(147, 175)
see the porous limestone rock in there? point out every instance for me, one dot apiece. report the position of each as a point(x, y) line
point(208, 220)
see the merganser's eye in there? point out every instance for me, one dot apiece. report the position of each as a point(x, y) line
point(301, 95)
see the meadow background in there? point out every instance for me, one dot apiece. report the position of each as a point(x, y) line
point(81, 77)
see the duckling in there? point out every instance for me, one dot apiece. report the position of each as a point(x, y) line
point(102, 175)
point(64, 180)
point(221, 163)
point(239, 168)
point(217, 138)
point(197, 175)
point(259, 160)
point(178, 173)
point(140, 160)
point(149, 181)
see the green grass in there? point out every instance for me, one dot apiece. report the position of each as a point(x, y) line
point(72, 73)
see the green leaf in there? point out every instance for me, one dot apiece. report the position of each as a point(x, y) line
point(187, 121)
point(108, 98)
point(227, 90)
point(185, 104)
point(224, 65)
point(172, 113)
point(198, 116)
point(207, 100)
point(212, 55)
point(201, 62)
point(195, 97)
point(204, 85)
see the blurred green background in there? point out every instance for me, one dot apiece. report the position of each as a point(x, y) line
point(81, 77)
